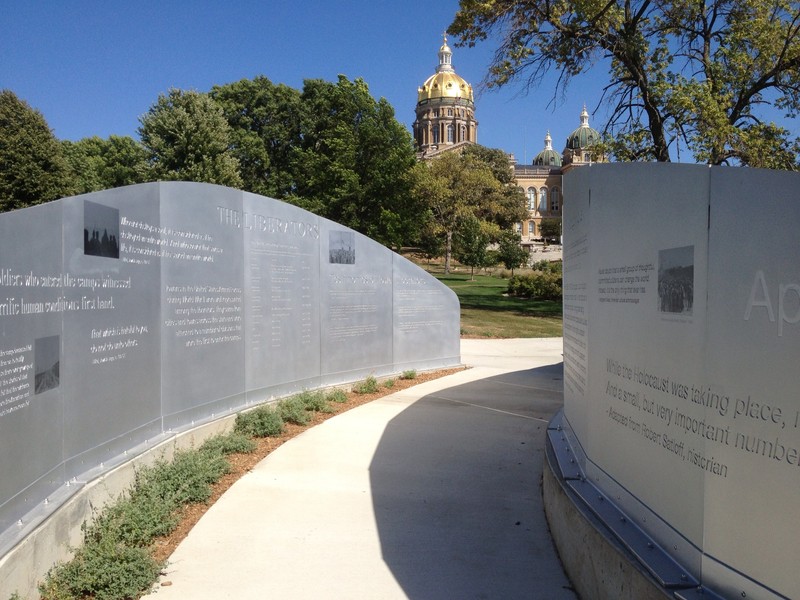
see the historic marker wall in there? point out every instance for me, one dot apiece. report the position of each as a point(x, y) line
point(681, 349)
point(132, 313)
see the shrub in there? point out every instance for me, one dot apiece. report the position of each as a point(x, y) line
point(315, 401)
point(411, 374)
point(185, 480)
point(540, 285)
point(229, 443)
point(388, 384)
point(338, 396)
point(104, 570)
point(135, 519)
point(368, 386)
point(264, 421)
point(114, 561)
point(293, 410)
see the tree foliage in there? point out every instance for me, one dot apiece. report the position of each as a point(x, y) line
point(470, 244)
point(265, 121)
point(550, 229)
point(99, 164)
point(457, 186)
point(32, 166)
point(694, 73)
point(510, 251)
point(355, 160)
point(188, 138)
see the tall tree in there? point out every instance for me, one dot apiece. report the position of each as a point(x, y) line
point(32, 166)
point(469, 244)
point(457, 186)
point(355, 161)
point(510, 251)
point(188, 138)
point(550, 229)
point(266, 121)
point(510, 205)
point(697, 73)
point(99, 164)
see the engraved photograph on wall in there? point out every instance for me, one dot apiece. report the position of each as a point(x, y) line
point(100, 230)
point(47, 361)
point(342, 247)
point(676, 280)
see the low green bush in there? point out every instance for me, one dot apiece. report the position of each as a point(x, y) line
point(388, 384)
point(368, 386)
point(264, 421)
point(338, 396)
point(315, 401)
point(104, 570)
point(540, 285)
point(185, 480)
point(293, 410)
point(229, 443)
point(412, 374)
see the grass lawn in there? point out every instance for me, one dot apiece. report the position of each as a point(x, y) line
point(487, 312)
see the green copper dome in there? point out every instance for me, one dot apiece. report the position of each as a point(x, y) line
point(584, 136)
point(547, 157)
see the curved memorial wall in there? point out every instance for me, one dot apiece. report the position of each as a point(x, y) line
point(681, 344)
point(130, 314)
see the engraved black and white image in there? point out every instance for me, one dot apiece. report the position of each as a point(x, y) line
point(46, 361)
point(342, 247)
point(676, 280)
point(100, 230)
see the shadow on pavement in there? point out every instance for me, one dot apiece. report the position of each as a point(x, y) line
point(456, 491)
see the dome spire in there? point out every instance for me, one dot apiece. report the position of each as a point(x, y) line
point(445, 57)
point(548, 141)
point(584, 117)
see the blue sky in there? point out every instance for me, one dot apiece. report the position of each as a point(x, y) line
point(94, 67)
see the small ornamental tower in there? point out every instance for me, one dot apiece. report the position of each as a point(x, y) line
point(578, 150)
point(445, 109)
point(547, 157)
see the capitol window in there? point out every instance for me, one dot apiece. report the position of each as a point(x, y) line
point(531, 198)
point(543, 200)
point(555, 205)
point(449, 112)
point(450, 134)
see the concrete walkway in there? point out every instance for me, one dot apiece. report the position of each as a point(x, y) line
point(429, 493)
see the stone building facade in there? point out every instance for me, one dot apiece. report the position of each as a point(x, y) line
point(445, 121)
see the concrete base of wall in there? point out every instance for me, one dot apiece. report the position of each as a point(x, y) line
point(598, 567)
point(28, 562)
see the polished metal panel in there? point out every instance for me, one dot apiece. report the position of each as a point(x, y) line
point(132, 313)
point(111, 360)
point(31, 351)
point(750, 393)
point(689, 415)
point(282, 298)
point(202, 302)
point(356, 304)
point(425, 318)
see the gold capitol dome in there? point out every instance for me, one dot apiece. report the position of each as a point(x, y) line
point(445, 83)
point(445, 110)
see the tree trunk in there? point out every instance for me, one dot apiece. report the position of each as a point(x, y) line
point(447, 250)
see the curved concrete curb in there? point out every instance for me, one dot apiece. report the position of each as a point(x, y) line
point(597, 566)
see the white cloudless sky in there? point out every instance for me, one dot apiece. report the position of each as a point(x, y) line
point(93, 67)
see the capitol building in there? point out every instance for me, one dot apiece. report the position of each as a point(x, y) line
point(445, 121)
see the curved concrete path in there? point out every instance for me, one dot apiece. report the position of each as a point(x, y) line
point(429, 493)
